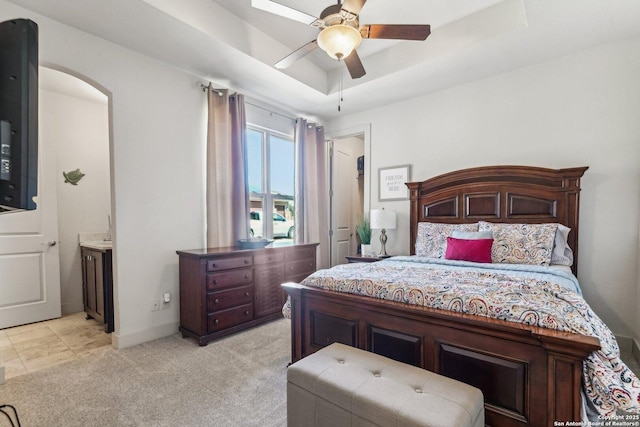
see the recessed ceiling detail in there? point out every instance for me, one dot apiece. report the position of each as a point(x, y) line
point(235, 45)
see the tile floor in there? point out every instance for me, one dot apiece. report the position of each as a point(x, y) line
point(29, 348)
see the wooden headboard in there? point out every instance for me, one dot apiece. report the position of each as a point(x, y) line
point(515, 194)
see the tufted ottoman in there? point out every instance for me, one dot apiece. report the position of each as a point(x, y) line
point(345, 386)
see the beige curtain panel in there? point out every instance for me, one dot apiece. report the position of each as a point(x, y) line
point(311, 192)
point(227, 186)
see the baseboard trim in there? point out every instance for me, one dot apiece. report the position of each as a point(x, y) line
point(120, 341)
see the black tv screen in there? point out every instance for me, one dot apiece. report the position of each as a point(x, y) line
point(18, 114)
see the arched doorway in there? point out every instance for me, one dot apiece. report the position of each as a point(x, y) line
point(80, 110)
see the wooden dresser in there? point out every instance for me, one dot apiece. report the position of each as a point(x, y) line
point(225, 290)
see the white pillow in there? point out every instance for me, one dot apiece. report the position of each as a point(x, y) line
point(562, 253)
point(472, 235)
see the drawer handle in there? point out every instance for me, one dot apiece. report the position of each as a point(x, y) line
point(216, 321)
point(246, 261)
point(214, 265)
point(246, 312)
point(246, 294)
point(246, 276)
point(216, 301)
point(215, 281)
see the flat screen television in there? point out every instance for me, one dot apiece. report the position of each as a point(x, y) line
point(18, 114)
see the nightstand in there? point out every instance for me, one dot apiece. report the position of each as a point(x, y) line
point(360, 258)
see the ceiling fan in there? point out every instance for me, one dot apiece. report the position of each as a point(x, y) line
point(341, 32)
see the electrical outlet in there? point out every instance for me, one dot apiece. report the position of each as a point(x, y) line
point(166, 300)
point(155, 304)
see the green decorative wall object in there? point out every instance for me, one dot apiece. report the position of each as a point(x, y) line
point(72, 177)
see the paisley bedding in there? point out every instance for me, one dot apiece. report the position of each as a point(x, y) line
point(532, 295)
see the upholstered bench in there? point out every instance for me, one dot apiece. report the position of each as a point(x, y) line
point(345, 386)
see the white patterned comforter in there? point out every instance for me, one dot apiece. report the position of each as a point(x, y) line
point(531, 295)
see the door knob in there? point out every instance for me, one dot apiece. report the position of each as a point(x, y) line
point(51, 243)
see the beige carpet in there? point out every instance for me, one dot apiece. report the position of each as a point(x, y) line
point(236, 381)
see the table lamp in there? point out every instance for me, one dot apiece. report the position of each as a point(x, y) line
point(382, 219)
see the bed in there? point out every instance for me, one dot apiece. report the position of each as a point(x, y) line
point(529, 374)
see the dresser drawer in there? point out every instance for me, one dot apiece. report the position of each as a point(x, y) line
point(268, 258)
point(231, 317)
point(217, 301)
point(226, 279)
point(305, 266)
point(301, 253)
point(227, 263)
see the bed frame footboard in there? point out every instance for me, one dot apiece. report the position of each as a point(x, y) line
point(529, 376)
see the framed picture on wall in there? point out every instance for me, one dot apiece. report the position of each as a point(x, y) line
point(391, 182)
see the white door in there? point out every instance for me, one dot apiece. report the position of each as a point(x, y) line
point(29, 256)
point(342, 218)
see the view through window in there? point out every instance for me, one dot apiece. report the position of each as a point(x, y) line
point(270, 163)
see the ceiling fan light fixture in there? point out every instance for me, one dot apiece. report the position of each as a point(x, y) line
point(339, 40)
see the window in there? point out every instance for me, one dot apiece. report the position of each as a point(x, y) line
point(270, 164)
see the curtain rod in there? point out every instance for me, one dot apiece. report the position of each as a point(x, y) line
point(205, 87)
point(219, 92)
point(269, 111)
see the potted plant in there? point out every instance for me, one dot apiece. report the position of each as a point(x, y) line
point(363, 228)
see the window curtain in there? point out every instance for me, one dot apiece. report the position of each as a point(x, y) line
point(311, 193)
point(227, 185)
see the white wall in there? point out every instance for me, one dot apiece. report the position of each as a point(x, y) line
point(158, 132)
point(580, 110)
point(81, 141)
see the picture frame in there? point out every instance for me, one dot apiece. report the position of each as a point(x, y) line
point(391, 183)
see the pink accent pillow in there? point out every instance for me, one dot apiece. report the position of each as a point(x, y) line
point(477, 250)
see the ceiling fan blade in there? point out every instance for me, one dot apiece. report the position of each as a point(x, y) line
point(401, 32)
point(354, 65)
point(285, 11)
point(353, 6)
point(296, 55)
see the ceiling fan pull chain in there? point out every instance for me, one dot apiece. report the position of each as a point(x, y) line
point(340, 90)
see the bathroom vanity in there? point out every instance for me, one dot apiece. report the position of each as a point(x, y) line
point(97, 281)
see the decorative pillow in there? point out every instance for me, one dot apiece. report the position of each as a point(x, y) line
point(431, 240)
point(521, 243)
point(472, 235)
point(562, 253)
point(475, 250)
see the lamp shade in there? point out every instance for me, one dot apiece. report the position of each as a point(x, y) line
point(382, 219)
point(339, 40)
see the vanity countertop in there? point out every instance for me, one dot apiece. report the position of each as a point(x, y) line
point(101, 245)
point(95, 241)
